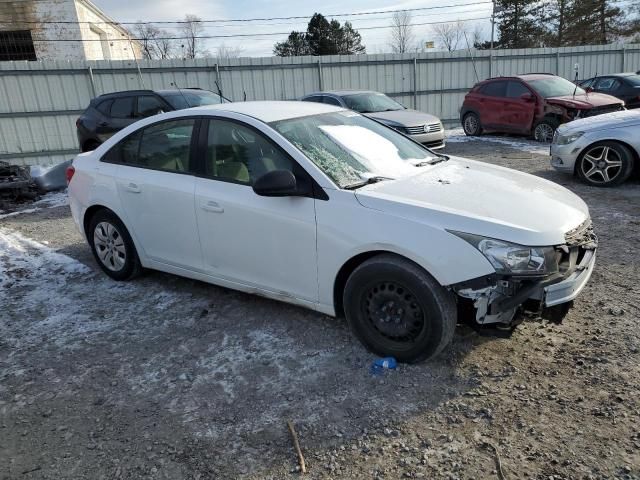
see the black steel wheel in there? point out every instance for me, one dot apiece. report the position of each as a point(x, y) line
point(397, 309)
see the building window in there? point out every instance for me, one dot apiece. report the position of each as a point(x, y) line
point(16, 45)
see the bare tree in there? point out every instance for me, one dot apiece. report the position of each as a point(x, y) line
point(146, 35)
point(164, 47)
point(191, 30)
point(225, 52)
point(402, 38)
point(449, 35)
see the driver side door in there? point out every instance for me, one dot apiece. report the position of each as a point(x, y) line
point(260, 242)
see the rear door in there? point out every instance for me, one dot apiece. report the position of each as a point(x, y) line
point(491, 101)
point(120, 115)
point(517, 113)
point(156, 182)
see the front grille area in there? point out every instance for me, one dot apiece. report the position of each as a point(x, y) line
point(420, 129)
point(600, 110)
point(579, 240)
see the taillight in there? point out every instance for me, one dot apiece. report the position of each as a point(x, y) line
point(69, 173)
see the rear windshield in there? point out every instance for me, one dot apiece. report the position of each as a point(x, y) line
point(633, 80)
point(181, 99)
point(555, 87)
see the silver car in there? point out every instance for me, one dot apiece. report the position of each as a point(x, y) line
point(602, 150)
point(421, 127)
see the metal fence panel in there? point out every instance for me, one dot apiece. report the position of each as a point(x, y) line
point(39, 101)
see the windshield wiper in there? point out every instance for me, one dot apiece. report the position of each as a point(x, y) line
point(438, 159)
point(367, 181)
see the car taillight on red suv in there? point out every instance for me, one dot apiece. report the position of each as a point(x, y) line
point(69, 173)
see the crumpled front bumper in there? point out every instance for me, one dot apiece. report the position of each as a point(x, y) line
point(569, 288)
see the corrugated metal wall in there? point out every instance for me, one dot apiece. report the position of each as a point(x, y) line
point(39, 101)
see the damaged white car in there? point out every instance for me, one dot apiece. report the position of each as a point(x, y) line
point(325, 208)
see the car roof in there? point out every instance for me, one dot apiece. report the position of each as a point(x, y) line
point(622, 75)
point(271, 111)
point(340, 93)
point(125, 93)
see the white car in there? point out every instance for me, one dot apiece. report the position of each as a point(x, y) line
point(322, 207)
point(602, 150)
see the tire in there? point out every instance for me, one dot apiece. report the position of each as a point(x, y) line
point(106, 233)
point(605, 164)
point(386, 291)
point(544, 130)
point(471, 124)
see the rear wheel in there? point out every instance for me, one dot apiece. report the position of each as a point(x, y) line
point(605, 164)
point(112, 246)
point(471, 124)
point(397, 309)
point(545, 129)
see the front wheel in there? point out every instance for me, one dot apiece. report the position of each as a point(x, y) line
point(605, 164)
point(397, 309)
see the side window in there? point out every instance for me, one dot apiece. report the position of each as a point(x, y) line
point(105, 107)
point(515, 89)
point(167, 146)
point(149, 105)
point(495, 89)
point(122, 107)
point(331, 101)
point(607, 84)
point(162, 146)
point(239, 154)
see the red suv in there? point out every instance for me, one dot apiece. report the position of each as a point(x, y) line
point(534, 104)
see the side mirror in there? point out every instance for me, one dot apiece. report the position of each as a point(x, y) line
point(527, 97)
point(277, 183)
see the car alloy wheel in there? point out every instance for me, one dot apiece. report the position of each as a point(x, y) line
point(393, 312)
point(543, 132)
point(471, 124)
point(601, 164)
point(109, 246)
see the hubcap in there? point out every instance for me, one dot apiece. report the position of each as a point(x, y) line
point(601, 164)
point(394, 312)
point(544, 133)
point(109, 246)
point(470, 124)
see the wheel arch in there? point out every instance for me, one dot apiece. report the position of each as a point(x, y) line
point(349, 267)
point(90, 213)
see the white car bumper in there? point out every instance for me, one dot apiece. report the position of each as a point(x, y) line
point(569, 288)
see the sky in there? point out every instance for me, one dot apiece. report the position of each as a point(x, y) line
point(376, 40)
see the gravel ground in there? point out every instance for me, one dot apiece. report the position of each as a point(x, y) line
point(168, 378)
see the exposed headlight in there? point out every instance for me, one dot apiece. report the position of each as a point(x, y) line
point(513, 259)
point(567, 139)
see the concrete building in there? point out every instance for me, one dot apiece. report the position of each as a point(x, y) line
point(61, 30)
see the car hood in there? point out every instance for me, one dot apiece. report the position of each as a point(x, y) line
point(404, 118)
point(482, 199)
point(620, 119)
point(585, 101)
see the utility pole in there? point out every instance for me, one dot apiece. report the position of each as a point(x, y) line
point(493, 22)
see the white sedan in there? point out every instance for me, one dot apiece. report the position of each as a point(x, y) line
point(322, 207)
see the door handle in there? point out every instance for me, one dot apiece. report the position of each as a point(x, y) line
point(132, 188)
point(212, 206)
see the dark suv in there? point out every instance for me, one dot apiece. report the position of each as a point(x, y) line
point(112, 112)
point(534, 104)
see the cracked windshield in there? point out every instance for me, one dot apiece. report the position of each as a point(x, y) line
point(354, 150)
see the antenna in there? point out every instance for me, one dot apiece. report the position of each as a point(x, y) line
point(576, 67)
point(473, 60)
point(175, 84)
point(244, 94)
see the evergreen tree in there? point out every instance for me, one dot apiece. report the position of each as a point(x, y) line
point(519, 23)
point(322, 38)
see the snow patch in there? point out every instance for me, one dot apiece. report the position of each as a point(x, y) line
point(457, 135)
point(50, 200)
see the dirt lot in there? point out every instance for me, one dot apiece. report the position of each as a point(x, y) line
point(169, 378)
